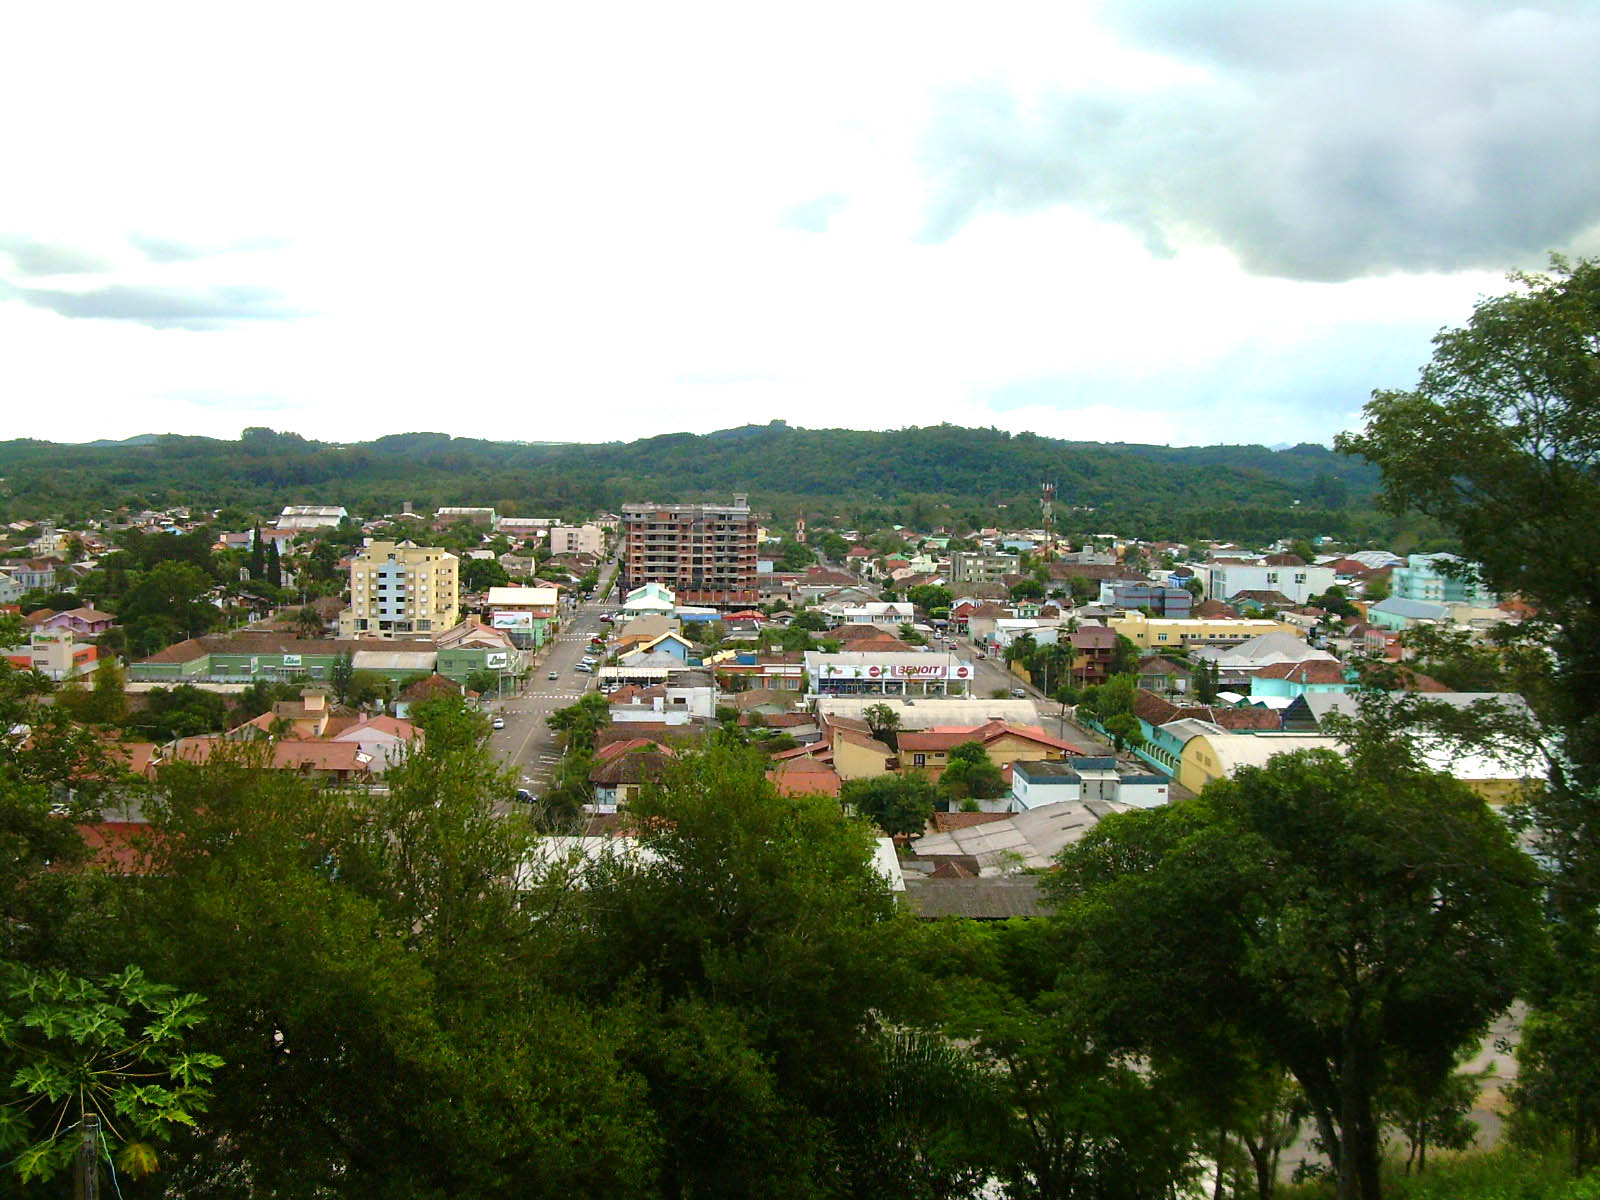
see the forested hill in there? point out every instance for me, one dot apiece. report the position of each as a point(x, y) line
point(1231, 491)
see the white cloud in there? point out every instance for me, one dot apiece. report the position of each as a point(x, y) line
point(536, 222)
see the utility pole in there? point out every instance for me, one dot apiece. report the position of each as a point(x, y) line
point(86, 1185)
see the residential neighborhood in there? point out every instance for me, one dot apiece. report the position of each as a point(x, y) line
point(984, 698)
point(1164, 662)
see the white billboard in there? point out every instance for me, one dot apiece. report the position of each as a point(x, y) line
point(940, 669)
point(511, 620)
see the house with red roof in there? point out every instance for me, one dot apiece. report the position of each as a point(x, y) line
point(329, 762)
point(623, 767)
point(1290, 680)
point(83, 622)
point(927, 751)
point(804, 775)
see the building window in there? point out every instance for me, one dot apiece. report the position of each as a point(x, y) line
point(919, 760)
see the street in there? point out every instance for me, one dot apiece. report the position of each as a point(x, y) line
point(990, 675)
point(527, 743)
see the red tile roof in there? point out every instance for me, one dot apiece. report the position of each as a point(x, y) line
point(180, 652)
point(1312, 671)
point(288, 754)
point(944, 737)
point(636, 766)
point(113, 846)
point(944, 822)
point(1153, 710)
point(864, 740)
point(804, 777)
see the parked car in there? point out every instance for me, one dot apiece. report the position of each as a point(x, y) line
point(584, 669)
point(1019, 693)
point(498, 723)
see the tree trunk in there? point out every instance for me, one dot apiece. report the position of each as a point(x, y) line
point(1265, 1163)
point(1217, 1189)
point(1358, 1160)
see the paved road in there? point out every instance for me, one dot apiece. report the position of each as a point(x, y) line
point(991, 675)
point(527, 743)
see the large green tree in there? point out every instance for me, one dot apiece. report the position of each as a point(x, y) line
point(759, 950)
point(167, 599)
point(896, 804)
point(970, 774)
point(382, 992)
point(1499, 441)
point(1072, 1111)
point(1346, 918)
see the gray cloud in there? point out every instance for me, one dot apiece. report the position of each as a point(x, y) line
point(198, 308)
point(1331, 140)
point(29, 256)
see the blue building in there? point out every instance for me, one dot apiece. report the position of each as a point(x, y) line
point(1440, 579)
point(1153, 598)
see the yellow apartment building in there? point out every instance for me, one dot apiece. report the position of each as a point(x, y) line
point(400, 589)
point(1156, 633)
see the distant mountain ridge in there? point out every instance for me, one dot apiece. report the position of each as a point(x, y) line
point(784, 468)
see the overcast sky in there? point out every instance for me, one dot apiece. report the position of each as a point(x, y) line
point(1182, 221)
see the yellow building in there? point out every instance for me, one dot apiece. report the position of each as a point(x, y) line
point(400, 589)
point(1156, 633)
point(929, 749)
point(1497, 777)
point(858, 755)
point(1210, 756)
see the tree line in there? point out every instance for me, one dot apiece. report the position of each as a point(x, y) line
point(939, 475)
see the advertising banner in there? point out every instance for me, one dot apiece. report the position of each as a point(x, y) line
point(939, 669)
point(511, 620)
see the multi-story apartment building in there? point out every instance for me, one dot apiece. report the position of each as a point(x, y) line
point(1155, 599)
point(577, 539)
point(706, 553)
point(1285, 573)
point(969, 567)
point(400, 589)
point(1441, 579)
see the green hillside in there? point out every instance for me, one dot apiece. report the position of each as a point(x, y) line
point(934, 475)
